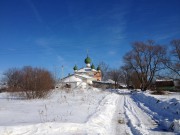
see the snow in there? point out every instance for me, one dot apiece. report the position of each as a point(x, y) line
point(72, 78)
point(86, 69)
point(139, 125)
point(52, 107)
point(90, 111)
point(110, 81)
point(83, 76)
point(166, 111)
point(168, 96)
point(163, 80)
point(79, 111)
point(99, 120)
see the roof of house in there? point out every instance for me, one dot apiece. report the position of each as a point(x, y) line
point(164, 80)
point(83, 76)
point(86, 69)
point(71, 78)
point(75, 78)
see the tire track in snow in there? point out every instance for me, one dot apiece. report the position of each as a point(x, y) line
point(120, 119)
point(139, 122)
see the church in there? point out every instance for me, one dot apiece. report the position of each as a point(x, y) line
point(82, 77)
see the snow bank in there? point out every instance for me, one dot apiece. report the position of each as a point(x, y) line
point(176, 126)
point(166, 112)
point(48, 128)
point(101, 121)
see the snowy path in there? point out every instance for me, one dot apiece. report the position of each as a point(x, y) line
point(120, 119)
point(139, 122)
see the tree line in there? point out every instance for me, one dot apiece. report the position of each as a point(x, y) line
point(144, 62)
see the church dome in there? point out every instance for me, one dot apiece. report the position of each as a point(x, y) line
point(98, 68)
point(75, 67)
point(87, 60)
point(92, 66)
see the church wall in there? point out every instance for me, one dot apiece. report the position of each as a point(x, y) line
point(97, 75)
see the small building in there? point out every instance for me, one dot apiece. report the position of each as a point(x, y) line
point(164, 83)
point(109, 84)
point(168, 84)
point(177, 84)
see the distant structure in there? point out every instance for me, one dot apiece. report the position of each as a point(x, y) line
point(83, 76)
point(168, 84)
point(89, 70)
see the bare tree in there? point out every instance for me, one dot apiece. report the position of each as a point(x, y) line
point(115, 75)
point(145, 59)
point(173, 61)
point(129, 77)
point(135, 80)
point(126, 75)
point(104, 70)
point(176, 48)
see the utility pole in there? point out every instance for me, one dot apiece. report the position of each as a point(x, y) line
point(55, 73)
point(62, 72)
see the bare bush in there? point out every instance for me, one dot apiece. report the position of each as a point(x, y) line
point(29, 82)
point(115, 75)
point(158, 92)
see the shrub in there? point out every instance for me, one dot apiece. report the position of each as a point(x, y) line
point(30, 82)
point(158, 92)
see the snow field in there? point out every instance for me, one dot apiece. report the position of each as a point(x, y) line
point(90, 111)
point(59, 107)
point(78, 112)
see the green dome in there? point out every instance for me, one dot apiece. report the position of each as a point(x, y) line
point(87, 60)
point(92, 66)
point(75, 67)
point(98, 68)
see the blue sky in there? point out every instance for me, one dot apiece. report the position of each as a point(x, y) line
point(52, 33)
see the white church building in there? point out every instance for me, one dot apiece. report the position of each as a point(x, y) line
point(82, 77)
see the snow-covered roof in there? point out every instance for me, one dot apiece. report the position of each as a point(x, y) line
point(110, 81)
point(72, 78)
point(86, 69)
point(123, 85)
point(163, 80)
point(83, 76)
